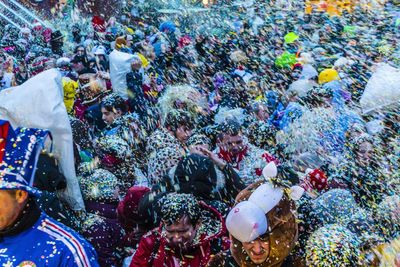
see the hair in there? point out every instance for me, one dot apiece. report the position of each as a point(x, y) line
point(229, 127)
point(176, 206)
point(11, 192)
point(199, 139)
point(176, 118)
point(256, 106)
point(77, 47)
point(114, 102)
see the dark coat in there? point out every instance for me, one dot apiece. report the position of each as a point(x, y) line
point(103, 231)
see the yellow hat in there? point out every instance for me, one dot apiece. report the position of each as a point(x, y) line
point(327, 76)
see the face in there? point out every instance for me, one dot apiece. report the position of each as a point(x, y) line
point(109, 116)
point(80, 51)
point(262, 114)
point(181, 234)
point(11, 206)
point(183, 133)
point(257, 250)
point(233, 144)
point(78, 66)
point(365, 152)
point(136, 65)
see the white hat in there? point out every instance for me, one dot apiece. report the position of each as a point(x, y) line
point(246, 221)
point(100, 51)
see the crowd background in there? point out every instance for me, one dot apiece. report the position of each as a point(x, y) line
point(170, 99)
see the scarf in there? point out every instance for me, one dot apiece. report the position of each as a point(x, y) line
point(232, 159)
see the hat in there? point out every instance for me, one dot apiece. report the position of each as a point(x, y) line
point(100, 51)
point(101, 185)
point(247, 220)
point(128, 208)
point(328, 75)
point(317, 179)
point(167, 26)
point(331, 245)
point(19, 154)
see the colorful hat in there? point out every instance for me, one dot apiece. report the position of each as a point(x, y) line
point(20, 152)
point(328, 75)
point(317, 179)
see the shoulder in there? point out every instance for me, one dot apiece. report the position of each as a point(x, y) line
point(70, 242)
point(222, 259)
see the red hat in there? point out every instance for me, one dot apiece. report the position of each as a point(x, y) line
point(128, 208)
point(317, 179)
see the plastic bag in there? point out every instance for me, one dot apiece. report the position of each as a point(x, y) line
point(39, 103)
point(120, 65)
point(383, 89)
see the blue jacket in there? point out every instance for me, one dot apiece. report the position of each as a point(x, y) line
point(47, 243)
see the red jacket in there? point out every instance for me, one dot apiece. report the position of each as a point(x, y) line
point(153, 250)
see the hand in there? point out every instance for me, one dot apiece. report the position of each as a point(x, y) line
point(214, 157)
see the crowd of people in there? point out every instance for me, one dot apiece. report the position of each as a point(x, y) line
point(239, 135)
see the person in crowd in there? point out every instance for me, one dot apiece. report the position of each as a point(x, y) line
point(262, 227)
point(184, 238)
point(167, 145)
point(27, 234)
point(245, 158)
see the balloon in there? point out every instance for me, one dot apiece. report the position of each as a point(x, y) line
point(286, 60)
point(328, 75)
point(246, 221)
point(266, 196)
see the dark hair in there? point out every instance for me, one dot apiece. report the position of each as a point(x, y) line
point(176, 206)
point(77, 47)
point(11, 192)
point(176, 118)
point(229, 127)
point(114, 102)
point(199, 139)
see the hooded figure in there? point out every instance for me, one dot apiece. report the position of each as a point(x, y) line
point(268, 237)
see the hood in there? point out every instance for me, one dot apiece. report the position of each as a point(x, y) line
point(282, 238)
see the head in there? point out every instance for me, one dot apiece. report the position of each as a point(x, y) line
point(180, 123)
point(364, 152)
point(231, 138)
point(199, 140)
point(180, 214)
point(259, 238)
point(80, 50)
point(257, 250)
point(12, 204)
point(136, 63)
point(112, 108)
point(259, 111)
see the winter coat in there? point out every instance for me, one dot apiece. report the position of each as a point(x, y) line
point(153, 250)
point(49, 180)
point(103, 231)
point(164, 152)
point(136, 96)
point(38, 240)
